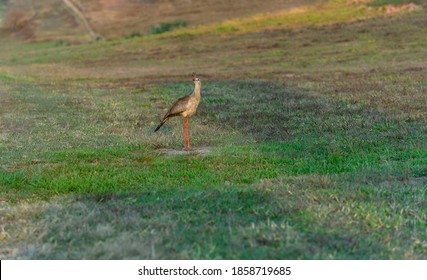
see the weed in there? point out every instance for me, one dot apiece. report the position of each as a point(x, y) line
point(377, 3)
point(168, 26)
point(134, 34)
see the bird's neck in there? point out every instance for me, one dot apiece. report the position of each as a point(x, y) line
point(197, 91)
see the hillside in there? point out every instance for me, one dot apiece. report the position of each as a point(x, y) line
point(53, 20)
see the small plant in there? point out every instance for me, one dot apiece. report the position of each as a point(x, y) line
point(167, 26)
point(134, 34)
point(61, 43)
point(377, 3)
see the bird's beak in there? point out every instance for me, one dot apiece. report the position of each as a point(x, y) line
point(194, 79)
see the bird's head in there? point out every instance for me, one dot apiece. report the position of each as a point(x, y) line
point(195, 79)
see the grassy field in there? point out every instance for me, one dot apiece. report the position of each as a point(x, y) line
point(315, 127)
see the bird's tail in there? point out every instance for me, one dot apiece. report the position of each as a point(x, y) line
point(160, 125)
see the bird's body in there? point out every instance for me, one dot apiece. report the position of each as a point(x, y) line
point(185, 106)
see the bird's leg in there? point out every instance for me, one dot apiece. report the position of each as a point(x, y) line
point(188, 136)
point(185, 133)
point(187, 145)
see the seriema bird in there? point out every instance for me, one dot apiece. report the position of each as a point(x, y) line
point(185, 106)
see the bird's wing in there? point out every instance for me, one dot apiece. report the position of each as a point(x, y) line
point(178, 107)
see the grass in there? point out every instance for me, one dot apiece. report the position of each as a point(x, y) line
point(376, 3)
point(2, 9)
point(238, 222)
point(317, 140)
point(326, 13)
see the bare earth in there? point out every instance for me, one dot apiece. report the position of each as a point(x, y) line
point(198, 150)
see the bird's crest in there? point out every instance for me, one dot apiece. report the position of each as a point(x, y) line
point(194, 77)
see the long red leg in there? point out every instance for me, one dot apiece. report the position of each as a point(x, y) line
point(188, 136)
point(185, 134)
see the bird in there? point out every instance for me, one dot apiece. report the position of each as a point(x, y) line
point(185, 106)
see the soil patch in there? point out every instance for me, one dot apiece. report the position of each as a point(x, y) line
point(197, 150)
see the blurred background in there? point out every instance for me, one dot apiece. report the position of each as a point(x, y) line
point(39, 20)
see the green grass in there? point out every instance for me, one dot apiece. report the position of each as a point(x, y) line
point(316, 140)
point(327, 220)
point(304, 161)
point(2, 9)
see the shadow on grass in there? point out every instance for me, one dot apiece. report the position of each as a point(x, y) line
point(275, 112)
point(277, 219)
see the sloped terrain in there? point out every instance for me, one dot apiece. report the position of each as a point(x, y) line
point(52, 20)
